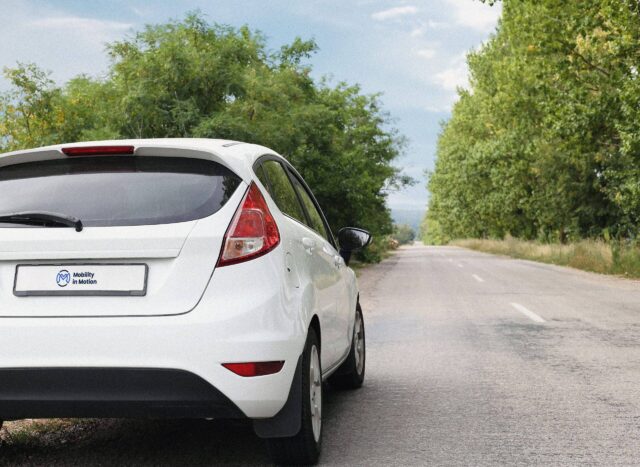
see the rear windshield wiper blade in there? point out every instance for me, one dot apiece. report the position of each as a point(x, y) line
point(48, 219)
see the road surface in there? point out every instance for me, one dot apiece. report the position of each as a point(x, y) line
point(473, 359)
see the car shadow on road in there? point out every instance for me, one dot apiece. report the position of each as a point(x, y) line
point(131, 442)
point(139, 442)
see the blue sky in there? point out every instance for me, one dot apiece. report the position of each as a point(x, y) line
point(411, 51)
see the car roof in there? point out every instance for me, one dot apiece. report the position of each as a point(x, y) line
point(236, 155)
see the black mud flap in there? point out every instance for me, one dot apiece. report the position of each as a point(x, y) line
point(288, 421)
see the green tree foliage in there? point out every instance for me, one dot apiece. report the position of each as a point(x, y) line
point(546, 143)
point(431, 233)
point(403, 233)
point(194, 79)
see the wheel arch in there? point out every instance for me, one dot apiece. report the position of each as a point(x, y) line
point(287, 422)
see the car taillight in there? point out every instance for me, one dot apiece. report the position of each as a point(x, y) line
point(252, 232)
point(254, 368)
point(98, 150)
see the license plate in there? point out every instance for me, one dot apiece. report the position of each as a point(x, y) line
point(81, 279)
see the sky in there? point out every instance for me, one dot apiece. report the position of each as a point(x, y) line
point(413, 52)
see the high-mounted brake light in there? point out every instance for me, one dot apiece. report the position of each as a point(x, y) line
point(98, 150)
point(254, 368)
point(252, 232)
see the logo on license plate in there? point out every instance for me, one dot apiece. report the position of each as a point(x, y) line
point(63, 278)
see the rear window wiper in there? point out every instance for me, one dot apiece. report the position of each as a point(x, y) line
point(46, 219)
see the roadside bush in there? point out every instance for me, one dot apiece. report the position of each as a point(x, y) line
point(403, 234)
point(614, 257)
point(376, 251)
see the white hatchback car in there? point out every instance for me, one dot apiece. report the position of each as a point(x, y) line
point(174, 278)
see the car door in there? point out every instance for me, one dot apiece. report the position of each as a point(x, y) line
point(334, 266)
point(307, 253)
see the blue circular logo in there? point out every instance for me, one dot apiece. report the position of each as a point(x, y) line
point(63, 278)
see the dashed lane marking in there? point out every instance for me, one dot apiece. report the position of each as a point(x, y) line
point(528, 313)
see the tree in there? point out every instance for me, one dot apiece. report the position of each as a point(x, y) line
point(194, 79)
point(545, 143)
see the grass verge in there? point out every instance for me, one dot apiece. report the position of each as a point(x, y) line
point(589, 255)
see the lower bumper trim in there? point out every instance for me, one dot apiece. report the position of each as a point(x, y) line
point(110, 393)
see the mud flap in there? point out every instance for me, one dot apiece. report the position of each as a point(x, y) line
point(288, 421)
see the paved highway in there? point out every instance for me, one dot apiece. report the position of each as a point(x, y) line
point(473, 359)
point(477, 359)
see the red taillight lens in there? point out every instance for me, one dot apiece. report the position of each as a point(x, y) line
point(254, 368)
point(98, 150)
point(252, 232)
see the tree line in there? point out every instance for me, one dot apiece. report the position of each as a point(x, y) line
point(192, 78)
point(545, 143)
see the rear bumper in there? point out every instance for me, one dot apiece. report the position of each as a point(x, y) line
point(109, 392)
point(229, 325)
point(145, 362)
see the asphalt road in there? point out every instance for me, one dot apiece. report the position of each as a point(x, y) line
point(472, 359)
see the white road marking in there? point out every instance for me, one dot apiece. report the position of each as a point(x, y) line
point(459, 265)
point(528, 313)
point(477, 277)
point(451, 260)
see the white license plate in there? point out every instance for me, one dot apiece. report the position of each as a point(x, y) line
point(81, 279)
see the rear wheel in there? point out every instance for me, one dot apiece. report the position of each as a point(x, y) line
point(304, 448)
point(350, 375)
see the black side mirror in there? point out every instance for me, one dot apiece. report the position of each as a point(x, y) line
point(352, 239)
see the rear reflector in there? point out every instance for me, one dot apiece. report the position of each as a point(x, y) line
point(254, 368)
point(98, 150)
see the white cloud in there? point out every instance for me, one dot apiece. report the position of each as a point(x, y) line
point(394, 13)
point(74, 33)
point(450, 79)
point(426, 53)
point(426, 26)
point(439, 109)
point(455, 74)
point(475, 15)
point(65, 43)
point(437, 24)
point(76, 23)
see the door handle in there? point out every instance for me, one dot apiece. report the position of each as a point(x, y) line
point(309, 244)
point(337, 261)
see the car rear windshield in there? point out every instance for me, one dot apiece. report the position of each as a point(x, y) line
point(110, 191)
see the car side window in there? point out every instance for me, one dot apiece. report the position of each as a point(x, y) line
point(315, 218)
point(259, 171)
point(272, 175)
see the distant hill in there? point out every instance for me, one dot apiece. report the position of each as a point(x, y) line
point(412, 217)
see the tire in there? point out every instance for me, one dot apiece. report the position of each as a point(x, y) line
point(304, 448)
point(350, 375)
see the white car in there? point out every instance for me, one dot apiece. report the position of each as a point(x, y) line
point(174, 278)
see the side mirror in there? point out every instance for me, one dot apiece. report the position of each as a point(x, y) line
point(352, 239)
